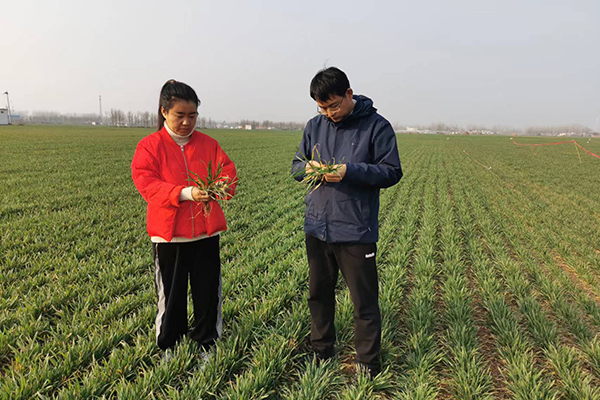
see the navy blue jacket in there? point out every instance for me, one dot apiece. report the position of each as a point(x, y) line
point(348, 211)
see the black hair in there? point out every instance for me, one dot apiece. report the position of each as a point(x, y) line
point(329, 82)
point(173, 90)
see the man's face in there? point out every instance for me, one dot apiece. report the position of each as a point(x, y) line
point(336, 108)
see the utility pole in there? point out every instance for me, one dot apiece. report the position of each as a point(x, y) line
point(8, 102)
point(100, 100)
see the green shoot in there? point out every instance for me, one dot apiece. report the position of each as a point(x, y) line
point(315, 176)
point(215, 184)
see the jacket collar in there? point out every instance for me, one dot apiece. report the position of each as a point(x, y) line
point(165, 136)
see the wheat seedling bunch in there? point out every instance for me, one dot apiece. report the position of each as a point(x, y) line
point(315, 175)
point(215, 184)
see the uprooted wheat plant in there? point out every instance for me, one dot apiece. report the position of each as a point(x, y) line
point(315, 176)
point(215, 184)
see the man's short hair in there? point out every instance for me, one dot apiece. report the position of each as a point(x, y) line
point(329, 82)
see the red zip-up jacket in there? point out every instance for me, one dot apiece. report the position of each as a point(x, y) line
point(160, 169)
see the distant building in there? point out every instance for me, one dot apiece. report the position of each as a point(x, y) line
point(248, 127)
point(3, 116)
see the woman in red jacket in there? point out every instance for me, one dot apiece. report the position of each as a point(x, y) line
point(183, 221)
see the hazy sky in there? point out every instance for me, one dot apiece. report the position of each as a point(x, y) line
point(509, 62)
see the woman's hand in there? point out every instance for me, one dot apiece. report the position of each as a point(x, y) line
point(200, 195)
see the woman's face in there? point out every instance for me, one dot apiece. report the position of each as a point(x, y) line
point(182, 116)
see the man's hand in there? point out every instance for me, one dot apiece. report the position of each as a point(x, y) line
point(309, 166)
point(200, 195)
point(338, 175)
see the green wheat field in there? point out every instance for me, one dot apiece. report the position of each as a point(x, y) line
point(489, 263)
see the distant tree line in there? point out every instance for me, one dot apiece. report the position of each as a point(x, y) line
point(136, 120)
point(442, 127)
point(112, 118)
point(53, 117)
point(267, 124)
point(572, 129)
point(145, 119)
point(116, 117)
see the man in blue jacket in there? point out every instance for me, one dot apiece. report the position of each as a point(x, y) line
point(341, 217)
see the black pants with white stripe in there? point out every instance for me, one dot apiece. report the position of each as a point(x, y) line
point(175, 264)
point(357, 263)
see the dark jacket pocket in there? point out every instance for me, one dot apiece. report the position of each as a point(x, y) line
point(351, 212)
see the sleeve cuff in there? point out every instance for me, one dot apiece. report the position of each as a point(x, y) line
point(299, 171)
point(186, 194)
point(350, 172)
point(175, 195)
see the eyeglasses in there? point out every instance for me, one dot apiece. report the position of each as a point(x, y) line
point(331, 109)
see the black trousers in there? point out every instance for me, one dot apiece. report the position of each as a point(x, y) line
point(175, 264)
point(357, 263)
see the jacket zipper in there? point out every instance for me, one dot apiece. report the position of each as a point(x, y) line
point(187, 170)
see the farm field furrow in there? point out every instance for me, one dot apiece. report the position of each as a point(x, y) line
point(539, 256)
point(534, 322)
point(520, 369)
